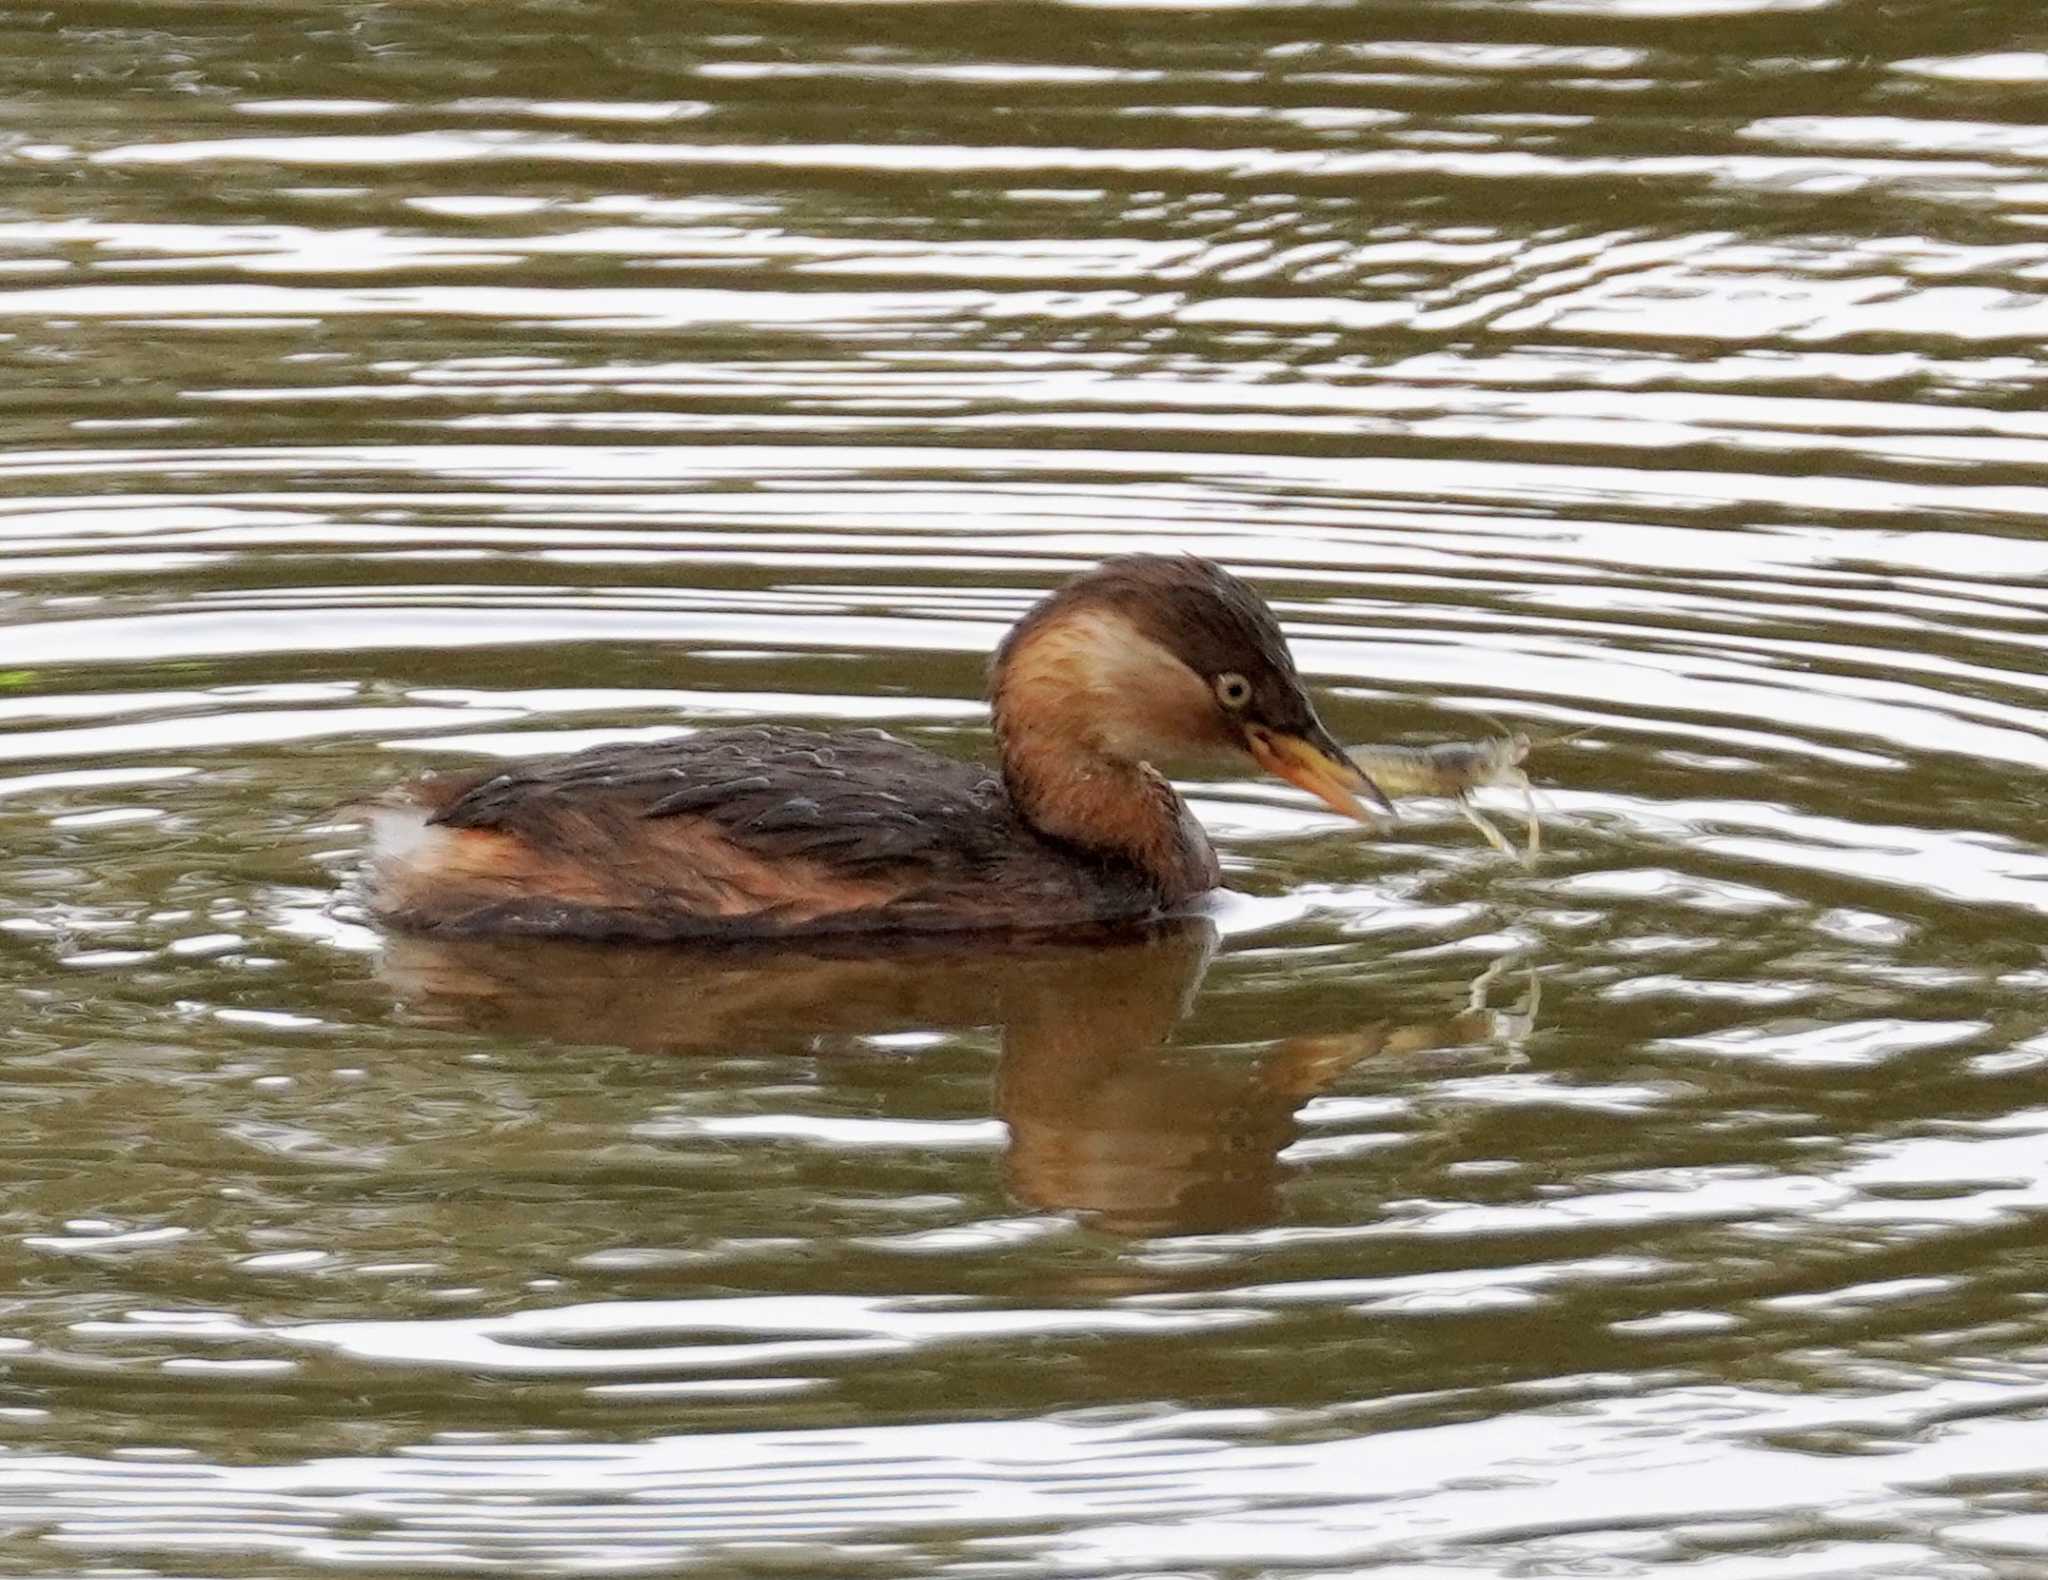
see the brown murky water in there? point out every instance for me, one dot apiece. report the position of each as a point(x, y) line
point(392, 385)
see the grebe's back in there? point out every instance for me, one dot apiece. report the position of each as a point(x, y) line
point(739, 832)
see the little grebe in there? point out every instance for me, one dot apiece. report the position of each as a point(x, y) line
point(769, 830)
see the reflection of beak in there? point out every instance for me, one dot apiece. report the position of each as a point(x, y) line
point(1318, 765)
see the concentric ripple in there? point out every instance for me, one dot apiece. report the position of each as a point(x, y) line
point(394, 387)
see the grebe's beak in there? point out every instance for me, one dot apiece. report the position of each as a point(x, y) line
point(1316, 764)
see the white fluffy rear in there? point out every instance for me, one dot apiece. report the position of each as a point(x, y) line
point(401, 837)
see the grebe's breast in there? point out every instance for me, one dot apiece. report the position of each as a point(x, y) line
point(742, 832)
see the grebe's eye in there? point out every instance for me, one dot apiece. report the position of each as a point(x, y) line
point(1233, 690)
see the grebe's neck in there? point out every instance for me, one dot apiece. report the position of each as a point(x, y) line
point(1070, 775)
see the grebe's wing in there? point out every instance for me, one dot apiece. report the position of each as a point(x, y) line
point(725, 833)
point(861, 799)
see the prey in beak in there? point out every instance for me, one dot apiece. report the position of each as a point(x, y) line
point(1317, 764)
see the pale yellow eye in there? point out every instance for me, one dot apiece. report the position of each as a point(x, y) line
point(1233, 690)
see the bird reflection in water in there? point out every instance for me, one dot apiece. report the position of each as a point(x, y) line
point(1106, 1119)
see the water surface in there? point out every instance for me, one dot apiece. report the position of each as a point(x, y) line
point(406, 386)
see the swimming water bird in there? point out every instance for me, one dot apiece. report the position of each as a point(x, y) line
point(767, 831)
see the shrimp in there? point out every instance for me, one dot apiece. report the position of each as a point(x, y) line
point(1454, 769)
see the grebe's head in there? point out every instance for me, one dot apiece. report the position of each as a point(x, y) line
point(1155, 658)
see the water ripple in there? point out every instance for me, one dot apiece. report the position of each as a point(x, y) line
point(400, 390)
